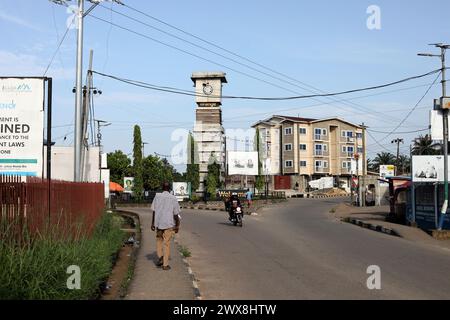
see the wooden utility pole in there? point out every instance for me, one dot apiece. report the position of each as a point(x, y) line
point(397, 141)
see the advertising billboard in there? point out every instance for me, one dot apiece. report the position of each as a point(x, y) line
point(128, 183)
point(21, 126)
point(180, 190)
point(386, 171)
point(428, 168)
point(242, 163)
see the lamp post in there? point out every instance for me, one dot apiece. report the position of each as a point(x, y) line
point(443, 48)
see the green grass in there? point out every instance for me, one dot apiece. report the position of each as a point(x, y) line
point(185, 251)
point(36, 269)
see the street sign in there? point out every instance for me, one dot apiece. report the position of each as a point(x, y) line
point(445, 103)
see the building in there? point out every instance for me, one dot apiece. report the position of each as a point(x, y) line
point(209, 134)
point(297, 150)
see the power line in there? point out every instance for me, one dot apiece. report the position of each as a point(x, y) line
point(192, 93)
point(241, 57)
point(414, 108)
point(404, 132)
point(227, 67)
point(59, 46)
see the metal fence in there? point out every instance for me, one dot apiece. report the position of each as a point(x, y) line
point(67, 207)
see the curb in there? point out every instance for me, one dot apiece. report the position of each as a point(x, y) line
point(318, 196)
point(202, 208)
point(198, 295)
point(370, 226)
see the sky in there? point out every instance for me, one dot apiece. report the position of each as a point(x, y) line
point(324, 44)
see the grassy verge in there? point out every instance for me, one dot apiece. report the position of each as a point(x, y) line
point(38, 269)
point(185, 251)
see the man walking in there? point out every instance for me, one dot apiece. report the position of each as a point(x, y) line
point(166, 222)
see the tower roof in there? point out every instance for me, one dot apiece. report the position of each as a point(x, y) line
point(209, 75)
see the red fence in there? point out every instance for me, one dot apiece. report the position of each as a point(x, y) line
point(39, 203)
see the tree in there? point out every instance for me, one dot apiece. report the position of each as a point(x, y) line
point(424, 145)
point(404, 164)
point(138, 187)
point(259, 181)
point(213, 176)
point(192, 167)
point(152, 173)
point(119, 166)
point(383, 158)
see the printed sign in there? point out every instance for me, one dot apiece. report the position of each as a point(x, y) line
point(428, 168)
point(180, 190)
point(386, 171)
point(242, 163)
point(21, 126)
point(128, 184)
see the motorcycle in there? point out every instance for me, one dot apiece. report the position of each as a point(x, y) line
point(237, 214)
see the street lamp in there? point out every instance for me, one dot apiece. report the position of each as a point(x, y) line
point(443, 48)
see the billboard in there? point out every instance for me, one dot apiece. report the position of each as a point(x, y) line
point(242, 163)
point(128, 184)
point(180, 190)
point(21, 126)
point(428, 168)
point(386, 171)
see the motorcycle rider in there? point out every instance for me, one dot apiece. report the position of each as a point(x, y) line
point(232, 203)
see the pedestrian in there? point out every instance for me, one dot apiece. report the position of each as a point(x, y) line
point(249, 196)
point(166, 222)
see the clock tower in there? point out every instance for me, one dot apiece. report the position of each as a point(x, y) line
point(208, 130)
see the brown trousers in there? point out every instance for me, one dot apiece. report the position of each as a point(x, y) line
point(163, 238)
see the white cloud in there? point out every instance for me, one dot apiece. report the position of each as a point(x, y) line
point(12, 64)
point(18, 21)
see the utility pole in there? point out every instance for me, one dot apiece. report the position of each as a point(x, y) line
point(443, 48)
point(78, 94)
point(100, 123)
point(364, 167)
point(358, 187)
point(397, 141)
point(143, 149)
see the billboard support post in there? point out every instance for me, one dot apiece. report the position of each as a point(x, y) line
point(49, 142)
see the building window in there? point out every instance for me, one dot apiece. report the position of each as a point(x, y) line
point(359, 135)
point(302, 163)
point(288, 131)
point(302, 130)
point(302, 147)
point(346, 165)
point(325, 164)
point(288, 164)
point(360, 150)
point(288, 147)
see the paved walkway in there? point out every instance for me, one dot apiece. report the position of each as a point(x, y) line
point(153, 283)
point(377, 216)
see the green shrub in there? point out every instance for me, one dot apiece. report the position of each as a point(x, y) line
point(37, 269)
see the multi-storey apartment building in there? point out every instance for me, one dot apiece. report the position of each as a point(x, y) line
point(297, 150)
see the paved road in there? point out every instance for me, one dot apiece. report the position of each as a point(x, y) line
point(297, 251)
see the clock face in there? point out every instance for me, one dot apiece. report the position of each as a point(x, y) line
point(207, 89)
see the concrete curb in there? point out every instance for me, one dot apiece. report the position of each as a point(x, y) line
point(197, 293)
point(318, 196)
point(373, 227)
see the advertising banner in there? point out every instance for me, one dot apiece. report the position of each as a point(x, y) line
point(242, 163)
point(128, 183)
point(180, 190)
point(21, 126)
point(428, 168)
point(386, 171)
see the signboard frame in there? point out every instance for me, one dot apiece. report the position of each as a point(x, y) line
point(47, 83)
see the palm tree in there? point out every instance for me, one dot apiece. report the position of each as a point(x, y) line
point(424, 145)
point(382, 159)
point(404, 164)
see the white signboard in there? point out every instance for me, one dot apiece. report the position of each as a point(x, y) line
point(322, 183)
point(353, 166)
point(436, 122)
point(386, 171)
point(128, 183)
point(180, 190)
point(428, 168)
point(21, 126)
point(242, 163)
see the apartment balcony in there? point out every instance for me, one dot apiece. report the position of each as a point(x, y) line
point(347, 155)
point(348, 139)
point(321, 170)
point(321, 153)
point(320, 137)
point(346, 171)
